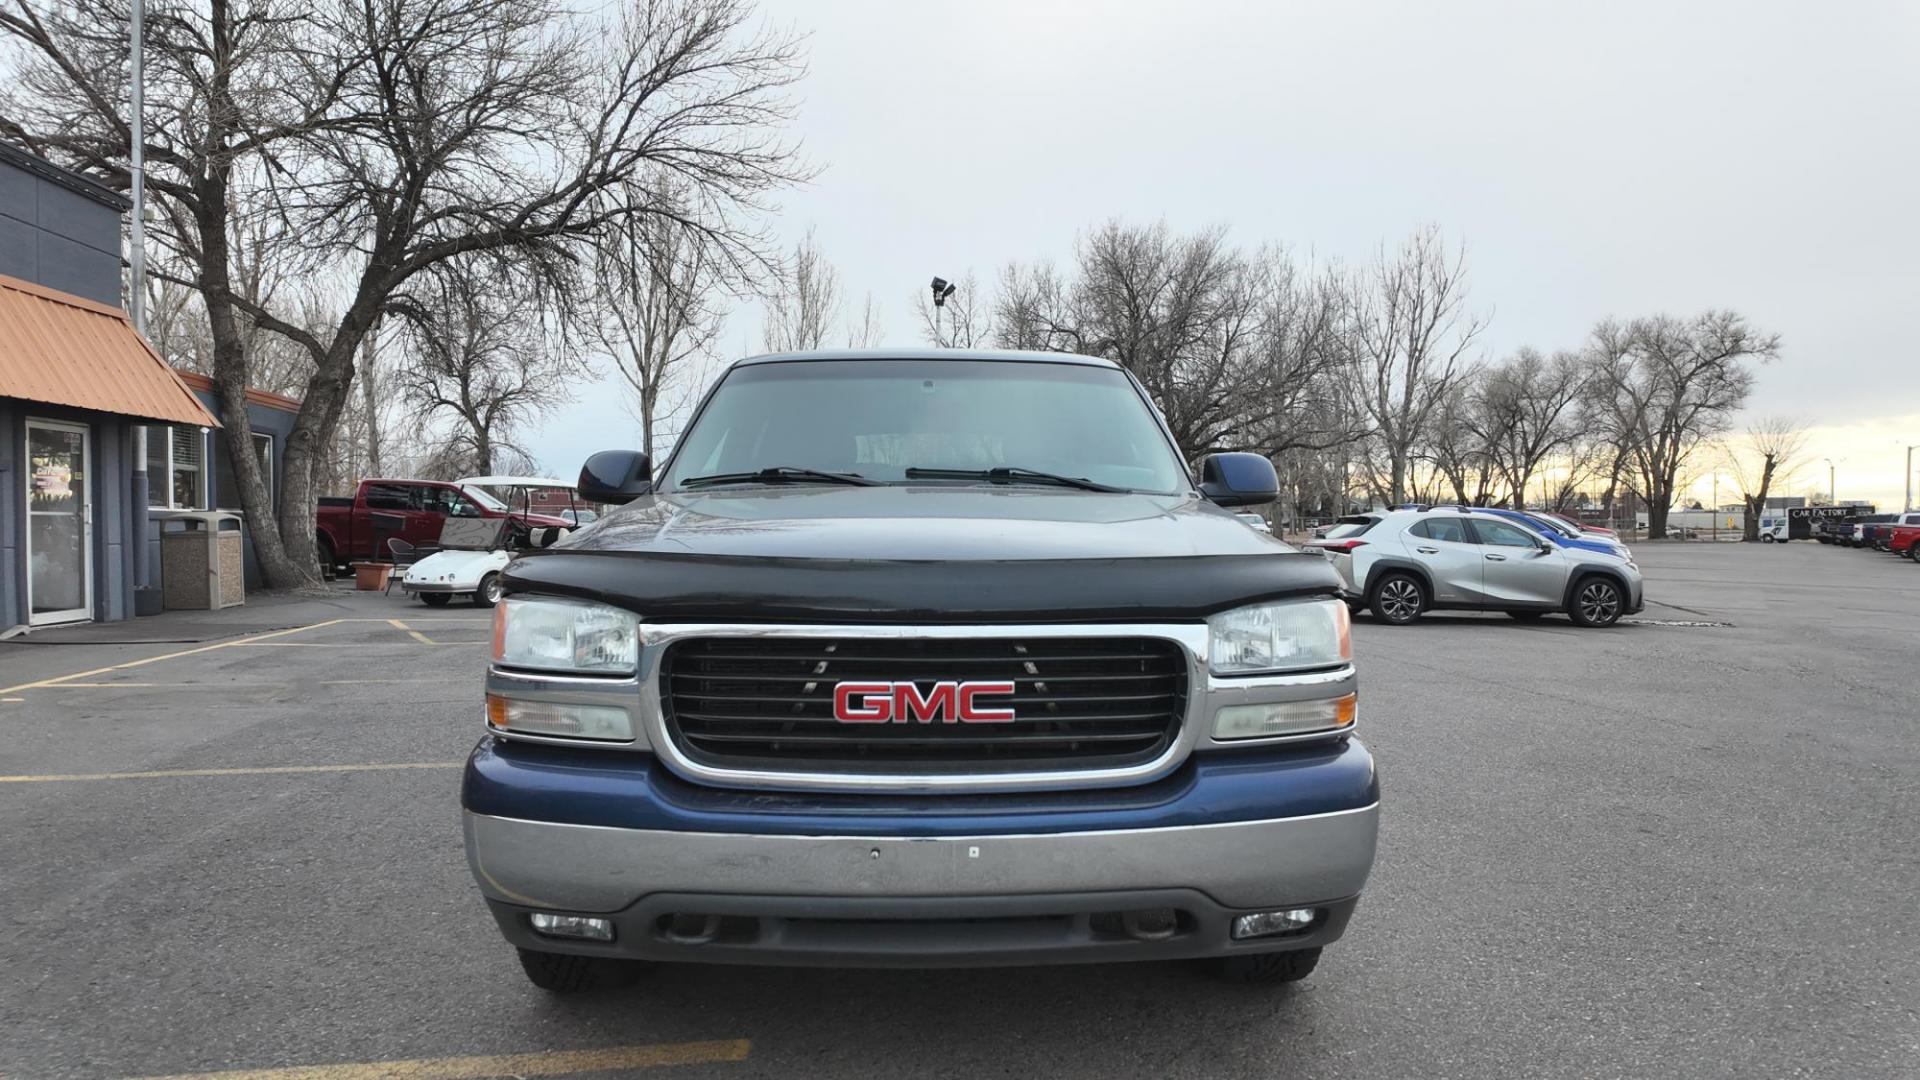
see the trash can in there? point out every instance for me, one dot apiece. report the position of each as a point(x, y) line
point(201, 560)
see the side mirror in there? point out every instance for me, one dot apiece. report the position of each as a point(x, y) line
point(616, 476)
point(1238, 479)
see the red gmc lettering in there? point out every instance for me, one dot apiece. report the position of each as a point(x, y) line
point(948, 701)
point(876, 704)
point(974, 714)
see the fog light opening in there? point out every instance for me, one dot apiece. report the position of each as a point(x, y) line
point(578, 927)
point(1150, 924)
point(682, 929)
point(1271, 923)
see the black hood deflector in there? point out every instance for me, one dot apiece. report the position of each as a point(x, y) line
point(669, 587)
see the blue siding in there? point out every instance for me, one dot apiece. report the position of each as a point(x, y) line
point(13, 513)
point(53, 234)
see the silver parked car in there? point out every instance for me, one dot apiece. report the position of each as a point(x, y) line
point(1405, 562)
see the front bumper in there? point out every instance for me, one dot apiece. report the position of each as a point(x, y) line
point(967, 931)
point(911, 880)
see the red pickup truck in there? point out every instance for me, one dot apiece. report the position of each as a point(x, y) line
point(1903, 541)
point(356, 529)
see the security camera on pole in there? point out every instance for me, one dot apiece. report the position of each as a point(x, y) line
point(942, 289)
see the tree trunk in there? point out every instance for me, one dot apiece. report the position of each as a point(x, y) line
point(648, 398)
point(1657, 505)
point(370, 396)
point(313, 427)
point(280, 567)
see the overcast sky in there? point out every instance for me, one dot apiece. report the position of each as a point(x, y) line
point(1616, 159)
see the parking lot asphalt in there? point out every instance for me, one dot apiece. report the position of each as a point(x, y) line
point(1658, 850)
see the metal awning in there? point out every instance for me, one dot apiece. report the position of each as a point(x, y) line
point(60, 349)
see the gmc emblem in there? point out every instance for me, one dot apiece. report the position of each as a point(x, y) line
point(902, 702)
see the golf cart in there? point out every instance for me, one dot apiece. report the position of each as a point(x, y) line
point(473, 550)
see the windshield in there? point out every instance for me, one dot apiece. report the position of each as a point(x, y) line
point(480, 496)
point(879, 418)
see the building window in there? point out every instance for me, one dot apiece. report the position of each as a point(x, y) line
point(176, 473)
point(226, 487)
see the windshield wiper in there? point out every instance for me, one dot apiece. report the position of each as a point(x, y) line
point(1006, 474)
point(780, 474)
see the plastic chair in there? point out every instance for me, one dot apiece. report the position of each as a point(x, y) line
point(403, 555)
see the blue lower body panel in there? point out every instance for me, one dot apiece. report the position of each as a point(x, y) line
point(626, 790)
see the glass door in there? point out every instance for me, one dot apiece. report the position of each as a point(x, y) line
point(59, 523)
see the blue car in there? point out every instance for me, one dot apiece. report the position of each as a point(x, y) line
point(1552, 528)
point(1559, 531)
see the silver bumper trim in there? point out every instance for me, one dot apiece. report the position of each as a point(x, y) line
point(1244, 864)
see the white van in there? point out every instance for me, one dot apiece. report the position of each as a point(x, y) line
point(1773, 528)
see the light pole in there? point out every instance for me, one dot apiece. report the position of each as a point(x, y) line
point(1833, 496)
point(941, 291)
point(1908, 504)
point(137, 287)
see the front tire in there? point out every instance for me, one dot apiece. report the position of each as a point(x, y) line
point(1263, 968)
point(1766, 538)
point(1397, 599)
point(435, 599)
point(563, 973)
point(1597, 602)
point(488, 594)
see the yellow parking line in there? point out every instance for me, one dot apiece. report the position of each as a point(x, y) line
point(547, 1063)
point(417, 635)
point(166, 656)
point(257, 771)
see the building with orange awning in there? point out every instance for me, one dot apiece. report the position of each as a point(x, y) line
point(76, 383)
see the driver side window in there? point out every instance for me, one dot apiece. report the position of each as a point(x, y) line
point(451, 503)
point(1501, 534)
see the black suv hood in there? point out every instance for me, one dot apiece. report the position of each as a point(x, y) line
point(931, 522)
point(925, 553)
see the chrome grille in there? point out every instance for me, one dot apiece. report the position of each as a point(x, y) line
point(767, 703)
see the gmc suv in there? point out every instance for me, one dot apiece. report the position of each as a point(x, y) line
point(935, 658)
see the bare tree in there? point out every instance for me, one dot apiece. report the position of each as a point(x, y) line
point(863, 330)
point(1456, 447)
point(1238, 350)
point(1412, 331)
point(804, 303)
point(1525, 410)
point(1767, 454)
point(477, 354)
point(658, 307)
point(1664, 385)
point(378, 139)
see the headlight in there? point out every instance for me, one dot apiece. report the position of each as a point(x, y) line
point(565, 635)
point(1285, 636)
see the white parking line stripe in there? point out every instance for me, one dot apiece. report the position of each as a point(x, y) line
point(166, 656)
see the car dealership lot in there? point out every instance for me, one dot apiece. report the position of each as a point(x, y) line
point(1654, 850)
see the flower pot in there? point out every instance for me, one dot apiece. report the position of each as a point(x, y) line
point(371, 576)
